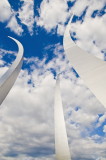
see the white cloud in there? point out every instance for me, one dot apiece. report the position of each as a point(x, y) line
point(81, 5)
point(101, 158)
point(86, 148)
point(5, 11)
point(26, 14)
point(101, 120)
point(104, 129)
point(4, 52)
point(8, 15)
point(61, 29)
point(14, 26)
point(51, 14)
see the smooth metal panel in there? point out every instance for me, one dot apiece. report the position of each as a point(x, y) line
point(8, 79)
point(61, 141)
point(90, 68)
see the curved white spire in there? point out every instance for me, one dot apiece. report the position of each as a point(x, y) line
point(91, 69)
point(61, 141)
point(8, 79)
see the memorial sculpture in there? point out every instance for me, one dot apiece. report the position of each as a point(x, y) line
point(61, 141)
point(90, 68)
point(8, 79)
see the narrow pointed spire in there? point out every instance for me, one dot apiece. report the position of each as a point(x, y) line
point(8, 79)
point(61, 141)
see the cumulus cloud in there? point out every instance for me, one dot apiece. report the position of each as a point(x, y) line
point(4, 52)
point(8, 15)
point(26, 119)
point(26, 14)
point(5, 11)
point(81, 5)
point(104, 129)
point(14, 26)
point(101, 120)
point(53, 14)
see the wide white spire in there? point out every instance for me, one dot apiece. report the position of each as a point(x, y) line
point(61, 141)
point(91, 69)
point(8, 79)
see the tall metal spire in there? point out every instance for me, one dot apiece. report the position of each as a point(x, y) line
point(91, 69)
point(8, 79)
point(61, 141)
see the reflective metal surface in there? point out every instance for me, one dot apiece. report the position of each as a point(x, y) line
point(8, 79)
point(61, 141)
point(91, 69)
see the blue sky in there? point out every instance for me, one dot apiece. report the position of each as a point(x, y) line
point(26, 119)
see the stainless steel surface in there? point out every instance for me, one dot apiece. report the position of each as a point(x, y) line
point(91, 69)
point(61, 141)
point(8, 79)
